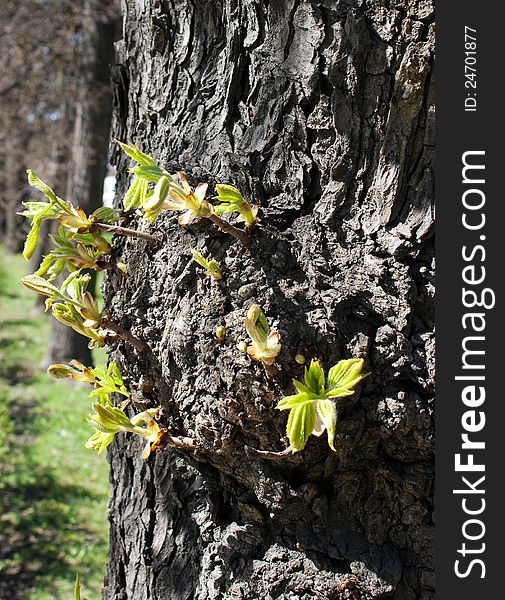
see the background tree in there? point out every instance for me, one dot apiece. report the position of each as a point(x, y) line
point(322, 112)
point(91, 135)
point(40, 52)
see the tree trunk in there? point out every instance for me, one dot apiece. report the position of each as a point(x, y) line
point(89, 151)
point(321, 112)
point(14, 190)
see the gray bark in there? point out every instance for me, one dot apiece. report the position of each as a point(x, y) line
point(322, 112)
point(89, 152)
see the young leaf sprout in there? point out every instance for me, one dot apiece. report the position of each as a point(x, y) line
point(104, 381)
point(74, 306)
point(312, 409)
point(231, 200)
point(109, 420)
point(265, 345)
point(173, 192)
point(75, 221)
point(212, 269)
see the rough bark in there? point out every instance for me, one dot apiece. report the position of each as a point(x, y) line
point(89, 150)
point(322, 112)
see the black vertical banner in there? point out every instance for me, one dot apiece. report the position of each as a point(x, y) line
point(470, 196)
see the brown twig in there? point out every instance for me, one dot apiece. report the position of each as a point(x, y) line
point(181, 442)
point(239, 234)
point(265, 454)
point(139, 345)
point(147, 237)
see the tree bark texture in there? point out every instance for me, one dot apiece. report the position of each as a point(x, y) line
point(89, 151)
point(321, 112)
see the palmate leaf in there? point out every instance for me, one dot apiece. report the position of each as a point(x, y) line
point(300, 425)
point(313, 392)
point(231, 200)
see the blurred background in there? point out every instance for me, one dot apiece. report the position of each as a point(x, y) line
point(56, 64)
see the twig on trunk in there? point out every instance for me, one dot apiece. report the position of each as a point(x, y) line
point(139, 345)
point(239, 234)
point(265, 454)
point(181, 442)
point(147, 237)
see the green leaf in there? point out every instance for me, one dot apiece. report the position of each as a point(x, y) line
point(289, 402)
point(199, 258)
point(152, 174)
point(136, 154)
point(32, 239)
point(211, 267)
point(143, 192)
point(41, 286)
point(257, 326)
point(109, 419)
point(154, 204)
point(225, 209)
point(99, 441)
point(231, 200)
point(131, 198)
point(75, 284)
point(300, 425)
point(44, 265)
point(303, 388)
point(314, 378)
point(345, 375)
point(37, 183)
point(77, 588)
point(33, 209)
point(228, 194)
point(56, 269)
point(105, 214)
point(326, 411)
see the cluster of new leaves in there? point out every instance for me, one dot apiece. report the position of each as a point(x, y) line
point(312, 409)
point(78, 243)
point(106, 418)
point(104, 381)
point(173, 192)
point(231, 200)
point(72, 304)
point(109, 420)
point(265, 344)
point(212, 268)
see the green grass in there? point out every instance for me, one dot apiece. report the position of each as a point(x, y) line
point(53, 492)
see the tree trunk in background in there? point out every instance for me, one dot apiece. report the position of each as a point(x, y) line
point(89, 150)
point(322, 112)
point(14, 189)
